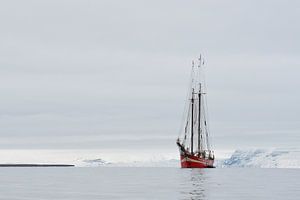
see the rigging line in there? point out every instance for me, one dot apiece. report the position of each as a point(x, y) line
point(186, 126)
point(199, 118)
point(206, 105)
point(190, 84)
point(199, 69)
point(207, 120)
point(200, 132)
point(204, 78)
point(192, 122)
point(206, 130)
point(198, 79)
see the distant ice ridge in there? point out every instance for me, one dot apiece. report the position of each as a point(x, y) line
point(254, 158)
point(150, 163)
point(263, 158)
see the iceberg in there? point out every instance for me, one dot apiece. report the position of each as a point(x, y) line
point(263, 158)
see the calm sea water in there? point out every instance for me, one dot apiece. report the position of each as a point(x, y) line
point(148, 183)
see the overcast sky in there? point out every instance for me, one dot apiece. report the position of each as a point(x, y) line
point(113, 74)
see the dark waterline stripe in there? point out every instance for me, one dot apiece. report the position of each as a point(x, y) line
point(36, 165)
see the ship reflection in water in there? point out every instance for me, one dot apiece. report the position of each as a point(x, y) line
point(193, 186)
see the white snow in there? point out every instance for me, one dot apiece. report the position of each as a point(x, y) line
point(253, 158)
point(263, 158)
point(259, 158)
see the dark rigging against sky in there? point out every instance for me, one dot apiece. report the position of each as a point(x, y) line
point(114, 74)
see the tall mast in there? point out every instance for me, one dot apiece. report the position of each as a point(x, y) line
point(199, 119)
point(192, 122)
point(199, 109)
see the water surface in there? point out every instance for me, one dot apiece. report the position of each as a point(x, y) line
point(148, 183)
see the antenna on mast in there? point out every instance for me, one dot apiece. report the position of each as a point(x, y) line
point(200, 58)
point(193, 72)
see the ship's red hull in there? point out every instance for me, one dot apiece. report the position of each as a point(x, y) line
point(191, 161)
point(195, 160)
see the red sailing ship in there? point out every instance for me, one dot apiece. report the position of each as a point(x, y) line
point(194, 144)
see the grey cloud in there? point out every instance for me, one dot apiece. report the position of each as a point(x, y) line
point(76, 69)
